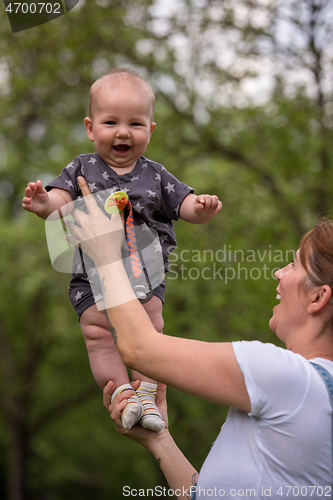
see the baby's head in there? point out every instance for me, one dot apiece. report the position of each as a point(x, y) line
point(120, 121)
point(126, 78)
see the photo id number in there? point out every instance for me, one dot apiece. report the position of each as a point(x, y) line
point(305, 491)
point(33, 8)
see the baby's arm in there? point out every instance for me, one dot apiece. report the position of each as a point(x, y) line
point(43, 203)
point(199, 209)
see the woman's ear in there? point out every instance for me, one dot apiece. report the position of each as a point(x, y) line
point(319, 298)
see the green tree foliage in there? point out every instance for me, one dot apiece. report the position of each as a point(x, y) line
point(243, 110)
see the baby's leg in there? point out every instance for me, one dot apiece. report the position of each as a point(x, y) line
point(105, 361)
point(154, 310)
point(147, 391)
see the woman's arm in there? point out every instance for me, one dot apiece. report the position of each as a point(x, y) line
point(179, 473)
point(181, 476)
point(204, 369)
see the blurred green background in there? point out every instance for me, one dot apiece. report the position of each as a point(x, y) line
point(243, 110)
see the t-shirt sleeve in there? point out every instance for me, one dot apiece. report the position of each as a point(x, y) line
point(67, 179)
point(173, 193)
point(276, 379)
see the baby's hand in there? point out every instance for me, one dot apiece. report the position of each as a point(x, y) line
point(36, 198)
point(206, 206)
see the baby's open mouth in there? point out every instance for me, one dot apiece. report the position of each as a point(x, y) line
point(121, 148)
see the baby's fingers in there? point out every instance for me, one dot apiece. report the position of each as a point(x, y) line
point(216, 204)
point(39, 187)
point(213, 203)
point(29, 189)
point(218, 207)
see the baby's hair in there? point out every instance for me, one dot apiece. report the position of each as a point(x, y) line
point(120, 73)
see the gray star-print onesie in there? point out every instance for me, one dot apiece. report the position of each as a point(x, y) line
point(155, 194)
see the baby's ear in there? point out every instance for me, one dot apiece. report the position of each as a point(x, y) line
point(152, 128)
point(89, 128)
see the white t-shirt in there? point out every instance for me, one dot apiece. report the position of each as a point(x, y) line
point(283, 448)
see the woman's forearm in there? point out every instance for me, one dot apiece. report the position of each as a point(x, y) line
point(124, 312)
point(203, 369)
point(181, 476)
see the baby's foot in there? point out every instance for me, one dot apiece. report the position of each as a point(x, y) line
point(133, 410)
point(151, 418)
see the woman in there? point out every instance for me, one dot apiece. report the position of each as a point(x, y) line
point(277, 439)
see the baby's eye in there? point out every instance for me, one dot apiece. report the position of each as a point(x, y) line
point(110, 122)
point(136, 124)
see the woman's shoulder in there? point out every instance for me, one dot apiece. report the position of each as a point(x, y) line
point(271, 370)
point(266, 351)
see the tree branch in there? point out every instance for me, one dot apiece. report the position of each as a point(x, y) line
point(213, 145)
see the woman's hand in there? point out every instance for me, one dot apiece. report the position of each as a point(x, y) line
point(179, 473)
point(137, 433)
point(99, 237)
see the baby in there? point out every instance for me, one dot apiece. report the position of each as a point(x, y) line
point(120, 123)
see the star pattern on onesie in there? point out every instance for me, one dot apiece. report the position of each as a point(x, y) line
point(138, 208)
point(78, 295)
point(163, 238)
point(93, 271)
point(170, 188)
point(151, 193)
point(157, 248)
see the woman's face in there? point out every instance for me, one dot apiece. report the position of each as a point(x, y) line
point(291, 312)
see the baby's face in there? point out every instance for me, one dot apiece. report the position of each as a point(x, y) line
point(121, 124)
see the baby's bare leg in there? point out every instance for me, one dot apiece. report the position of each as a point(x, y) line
point(154, 310)
point(105, 361)
point(147, 391)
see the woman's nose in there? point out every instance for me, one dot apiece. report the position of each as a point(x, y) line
point(277, 274)
point(280, 272)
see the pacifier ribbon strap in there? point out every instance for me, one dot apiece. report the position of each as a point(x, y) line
point(132, 244)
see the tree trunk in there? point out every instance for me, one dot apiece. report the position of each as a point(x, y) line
point(17, 453)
